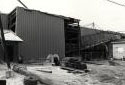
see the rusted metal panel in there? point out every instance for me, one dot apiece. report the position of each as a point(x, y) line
point(42, 34)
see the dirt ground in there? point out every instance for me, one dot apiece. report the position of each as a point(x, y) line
point(16, 79)
point(99, 75)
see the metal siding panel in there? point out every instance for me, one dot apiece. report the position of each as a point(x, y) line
point(4, 23)
point(4, 19)
point(42, 34)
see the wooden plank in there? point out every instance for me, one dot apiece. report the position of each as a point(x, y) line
point(46, 71)
point(73, 70)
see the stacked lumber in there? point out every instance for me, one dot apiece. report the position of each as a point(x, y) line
point(74, 63)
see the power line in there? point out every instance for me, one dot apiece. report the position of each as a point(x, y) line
point(116, 3)
point(22, 4)
point(93, 25)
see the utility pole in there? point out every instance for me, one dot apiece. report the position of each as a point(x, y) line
point(93, 25)
point(3, 42)
point(116, 3)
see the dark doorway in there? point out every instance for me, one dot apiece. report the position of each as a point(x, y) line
point(10, 51)
point(56, 61)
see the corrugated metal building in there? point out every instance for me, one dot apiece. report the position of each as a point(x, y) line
point(96, 44)
point(43, 34)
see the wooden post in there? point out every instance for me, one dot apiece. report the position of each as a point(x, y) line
point(79, 40)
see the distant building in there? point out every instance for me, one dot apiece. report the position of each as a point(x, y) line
point(96, 44)
point(118, 49)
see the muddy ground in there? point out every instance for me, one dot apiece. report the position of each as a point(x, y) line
point(104, 74)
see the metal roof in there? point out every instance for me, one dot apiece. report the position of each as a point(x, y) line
point(119, 41)
point(11, 36)
point(60, 16)
point(93, 37)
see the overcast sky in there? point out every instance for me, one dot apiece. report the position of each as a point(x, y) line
point(106, 15)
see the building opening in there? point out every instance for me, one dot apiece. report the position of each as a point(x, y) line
point(10, 50)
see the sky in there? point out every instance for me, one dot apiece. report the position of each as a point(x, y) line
point(106, 15)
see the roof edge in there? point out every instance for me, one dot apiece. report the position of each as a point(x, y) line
point(60, 16)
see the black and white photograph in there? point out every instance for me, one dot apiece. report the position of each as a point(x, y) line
point(62, 42)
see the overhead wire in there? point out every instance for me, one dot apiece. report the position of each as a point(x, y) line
point(116, 3)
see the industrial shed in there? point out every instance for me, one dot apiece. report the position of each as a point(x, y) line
point(118, 48)
point(43, 34)
point(96, 44)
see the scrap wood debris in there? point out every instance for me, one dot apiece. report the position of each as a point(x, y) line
point(98, 75)
point(73, 62)
point(46, 71)
point(73, 70)
point(113, 63)
point(16, 79)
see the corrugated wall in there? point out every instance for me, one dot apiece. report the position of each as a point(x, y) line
point(4, 19)
point(96, 37)
point(89, 31)
point(42, 34)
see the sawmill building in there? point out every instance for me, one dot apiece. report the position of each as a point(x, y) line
point(40, 34)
